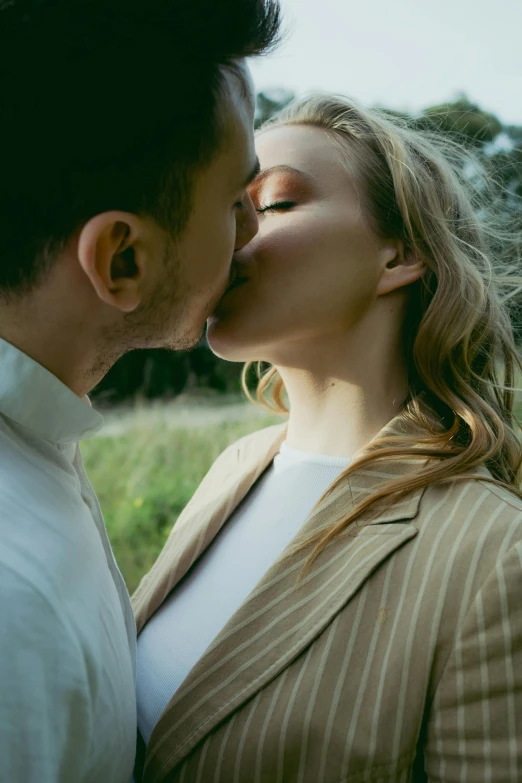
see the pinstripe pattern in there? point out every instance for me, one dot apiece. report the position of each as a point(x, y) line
point(398, 657)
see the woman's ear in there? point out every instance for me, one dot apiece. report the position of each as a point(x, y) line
point(398, 268)
point(110, 252)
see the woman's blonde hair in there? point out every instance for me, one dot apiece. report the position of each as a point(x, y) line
point(425, 191)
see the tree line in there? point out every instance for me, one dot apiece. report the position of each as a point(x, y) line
point(162, 374)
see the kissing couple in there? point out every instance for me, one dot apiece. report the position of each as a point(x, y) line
point(339, 601)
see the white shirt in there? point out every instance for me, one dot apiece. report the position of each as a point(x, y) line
point(67, 633)
point(246, 547)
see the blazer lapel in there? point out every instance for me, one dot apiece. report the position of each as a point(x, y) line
point(280, 618)
point(220, 492)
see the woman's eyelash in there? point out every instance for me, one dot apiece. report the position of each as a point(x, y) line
point(275, 206)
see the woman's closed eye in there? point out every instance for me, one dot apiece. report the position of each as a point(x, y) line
point(275, 207)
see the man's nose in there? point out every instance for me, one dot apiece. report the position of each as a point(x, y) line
point(247, 223)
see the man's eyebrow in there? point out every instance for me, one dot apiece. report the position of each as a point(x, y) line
point(262, 175)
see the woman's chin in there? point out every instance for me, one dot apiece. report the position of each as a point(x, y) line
point(225, 341)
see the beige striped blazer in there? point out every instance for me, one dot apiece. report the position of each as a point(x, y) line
point(397, 658)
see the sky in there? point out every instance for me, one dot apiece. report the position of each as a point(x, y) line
point(405, 54)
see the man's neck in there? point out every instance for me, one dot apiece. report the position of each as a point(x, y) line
point(59, 341)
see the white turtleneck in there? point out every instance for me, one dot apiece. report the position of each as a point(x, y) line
point(251, 541)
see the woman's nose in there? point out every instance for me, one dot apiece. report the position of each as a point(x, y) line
point(247, 223)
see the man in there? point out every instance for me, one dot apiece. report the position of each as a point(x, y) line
point(126, 149)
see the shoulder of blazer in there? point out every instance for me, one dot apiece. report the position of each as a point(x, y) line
point(505, 495)
point(473, 496)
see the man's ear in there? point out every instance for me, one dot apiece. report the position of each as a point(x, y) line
point(399, 269)
point(111, 253)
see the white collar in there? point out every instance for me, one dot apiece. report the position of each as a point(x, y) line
point(290, 456)
point(33, 397)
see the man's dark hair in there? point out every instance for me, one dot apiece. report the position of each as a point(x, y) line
point(109, 104)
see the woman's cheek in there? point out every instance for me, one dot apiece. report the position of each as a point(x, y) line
point(281, 243)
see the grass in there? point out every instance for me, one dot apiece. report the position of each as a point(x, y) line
point(148, 465)
point(146, 472)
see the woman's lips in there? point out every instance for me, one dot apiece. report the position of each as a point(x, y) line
point(237, 282)
point(235, 279)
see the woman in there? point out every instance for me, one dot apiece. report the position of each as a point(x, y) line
point(340, 601)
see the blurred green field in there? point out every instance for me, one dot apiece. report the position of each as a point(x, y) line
point(147, 465)
point(146, 469)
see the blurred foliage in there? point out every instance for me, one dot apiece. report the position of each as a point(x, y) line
point(462, 119)
point(145, 477)
point(162, 374)
point(505, 163)
point(269, 104)
point(157, 374)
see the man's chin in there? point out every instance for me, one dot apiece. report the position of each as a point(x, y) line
point(195, 329)
point(183, 342)
point(187, 342)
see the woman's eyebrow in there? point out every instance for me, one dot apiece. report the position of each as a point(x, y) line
point(265, 173)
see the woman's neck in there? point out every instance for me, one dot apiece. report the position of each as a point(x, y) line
point(342, 395)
